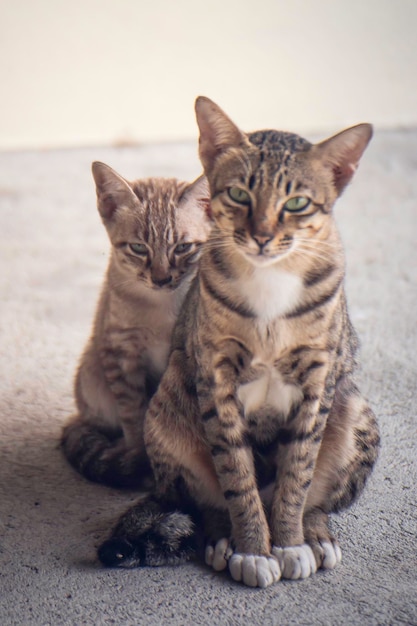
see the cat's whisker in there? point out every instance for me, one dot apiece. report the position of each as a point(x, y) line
point(128, 282)
point(317, 243)
point(323, 251)
point(325, 254)
point(312, 254)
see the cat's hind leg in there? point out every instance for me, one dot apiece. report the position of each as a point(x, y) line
point(347, 455)
point(322, 542)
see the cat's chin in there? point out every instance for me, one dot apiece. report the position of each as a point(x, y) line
point(261, 260)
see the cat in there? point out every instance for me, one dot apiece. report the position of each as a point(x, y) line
point(156, 228)
point(258, 431)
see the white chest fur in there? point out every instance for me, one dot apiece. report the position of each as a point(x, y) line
point(269, 391)
point(270, 291)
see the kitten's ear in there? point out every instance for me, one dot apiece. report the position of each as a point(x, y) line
point(197, 194)
point(343, 151)
point(112, 190)
point(217, 131)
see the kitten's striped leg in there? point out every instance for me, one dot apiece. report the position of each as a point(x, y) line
point(127, 381)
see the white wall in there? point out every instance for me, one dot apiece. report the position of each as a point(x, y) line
point(83, 72)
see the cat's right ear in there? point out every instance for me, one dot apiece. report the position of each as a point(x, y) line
point(112, 190)
point(217, 131)
point(198, 194)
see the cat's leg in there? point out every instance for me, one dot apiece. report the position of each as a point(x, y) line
point(125, 374)
point(347, 455)
point(96, 440)
point(233, 462)
point(297, 451)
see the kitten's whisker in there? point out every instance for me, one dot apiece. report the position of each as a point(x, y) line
point(128, 282)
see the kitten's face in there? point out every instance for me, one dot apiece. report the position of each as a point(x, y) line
point(272, 192)
point(156, 227)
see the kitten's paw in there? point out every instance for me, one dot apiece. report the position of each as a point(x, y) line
point(218, 555)
point(254, 571)
point(332, 554)
point(295, 561)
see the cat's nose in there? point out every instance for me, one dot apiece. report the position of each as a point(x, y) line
point(160, 282)
point(262, 240)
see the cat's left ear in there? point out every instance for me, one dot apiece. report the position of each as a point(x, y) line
point(342, 152)
point(112, 190)
point(197, 194)
point(217, 131)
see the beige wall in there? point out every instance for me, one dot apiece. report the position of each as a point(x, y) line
point(83, 72)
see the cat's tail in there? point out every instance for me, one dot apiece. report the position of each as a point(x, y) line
point(100, 455)
point(152, 533)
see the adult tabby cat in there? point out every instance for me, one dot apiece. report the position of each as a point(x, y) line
point(259, 393)
point(156, 227)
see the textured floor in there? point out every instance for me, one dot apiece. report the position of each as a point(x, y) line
point(53, 251)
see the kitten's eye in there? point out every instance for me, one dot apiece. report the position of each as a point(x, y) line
point(239, 195)
point(297, 204)
point(139, 248)
point(182, 247)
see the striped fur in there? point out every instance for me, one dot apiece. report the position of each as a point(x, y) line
point(259, 390)
point(156, 228)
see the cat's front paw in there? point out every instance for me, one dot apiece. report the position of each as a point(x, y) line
point(295, 561)
point(253, 570)
point(217, 556)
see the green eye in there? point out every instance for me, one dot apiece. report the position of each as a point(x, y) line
point(297, 204)
point(139, 248)
point(181, 248)
point(239, 195)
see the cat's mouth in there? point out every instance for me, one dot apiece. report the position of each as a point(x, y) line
point(264, 258)
point(164, 287)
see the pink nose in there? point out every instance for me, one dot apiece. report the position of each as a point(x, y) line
point(262, 240)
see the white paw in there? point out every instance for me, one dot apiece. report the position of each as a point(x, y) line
point(332, 554)
point(254, 571)
point(218, 555)
point(295, 561)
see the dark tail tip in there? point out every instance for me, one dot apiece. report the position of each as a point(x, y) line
point(116, 553)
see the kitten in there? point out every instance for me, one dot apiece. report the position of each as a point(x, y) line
point(156, 228)
point(258, 431)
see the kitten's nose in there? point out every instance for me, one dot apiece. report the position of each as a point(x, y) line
point(160, 282)
point(262, 240)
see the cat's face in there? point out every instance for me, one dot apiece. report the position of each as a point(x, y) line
point(156, 227)
point(272, 192)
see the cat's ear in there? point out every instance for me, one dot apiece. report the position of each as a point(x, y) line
point(112, 190)
point(217, 131)
point(197, 194)
point(342, 152)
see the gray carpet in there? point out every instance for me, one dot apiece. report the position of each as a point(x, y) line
point(53, 253)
